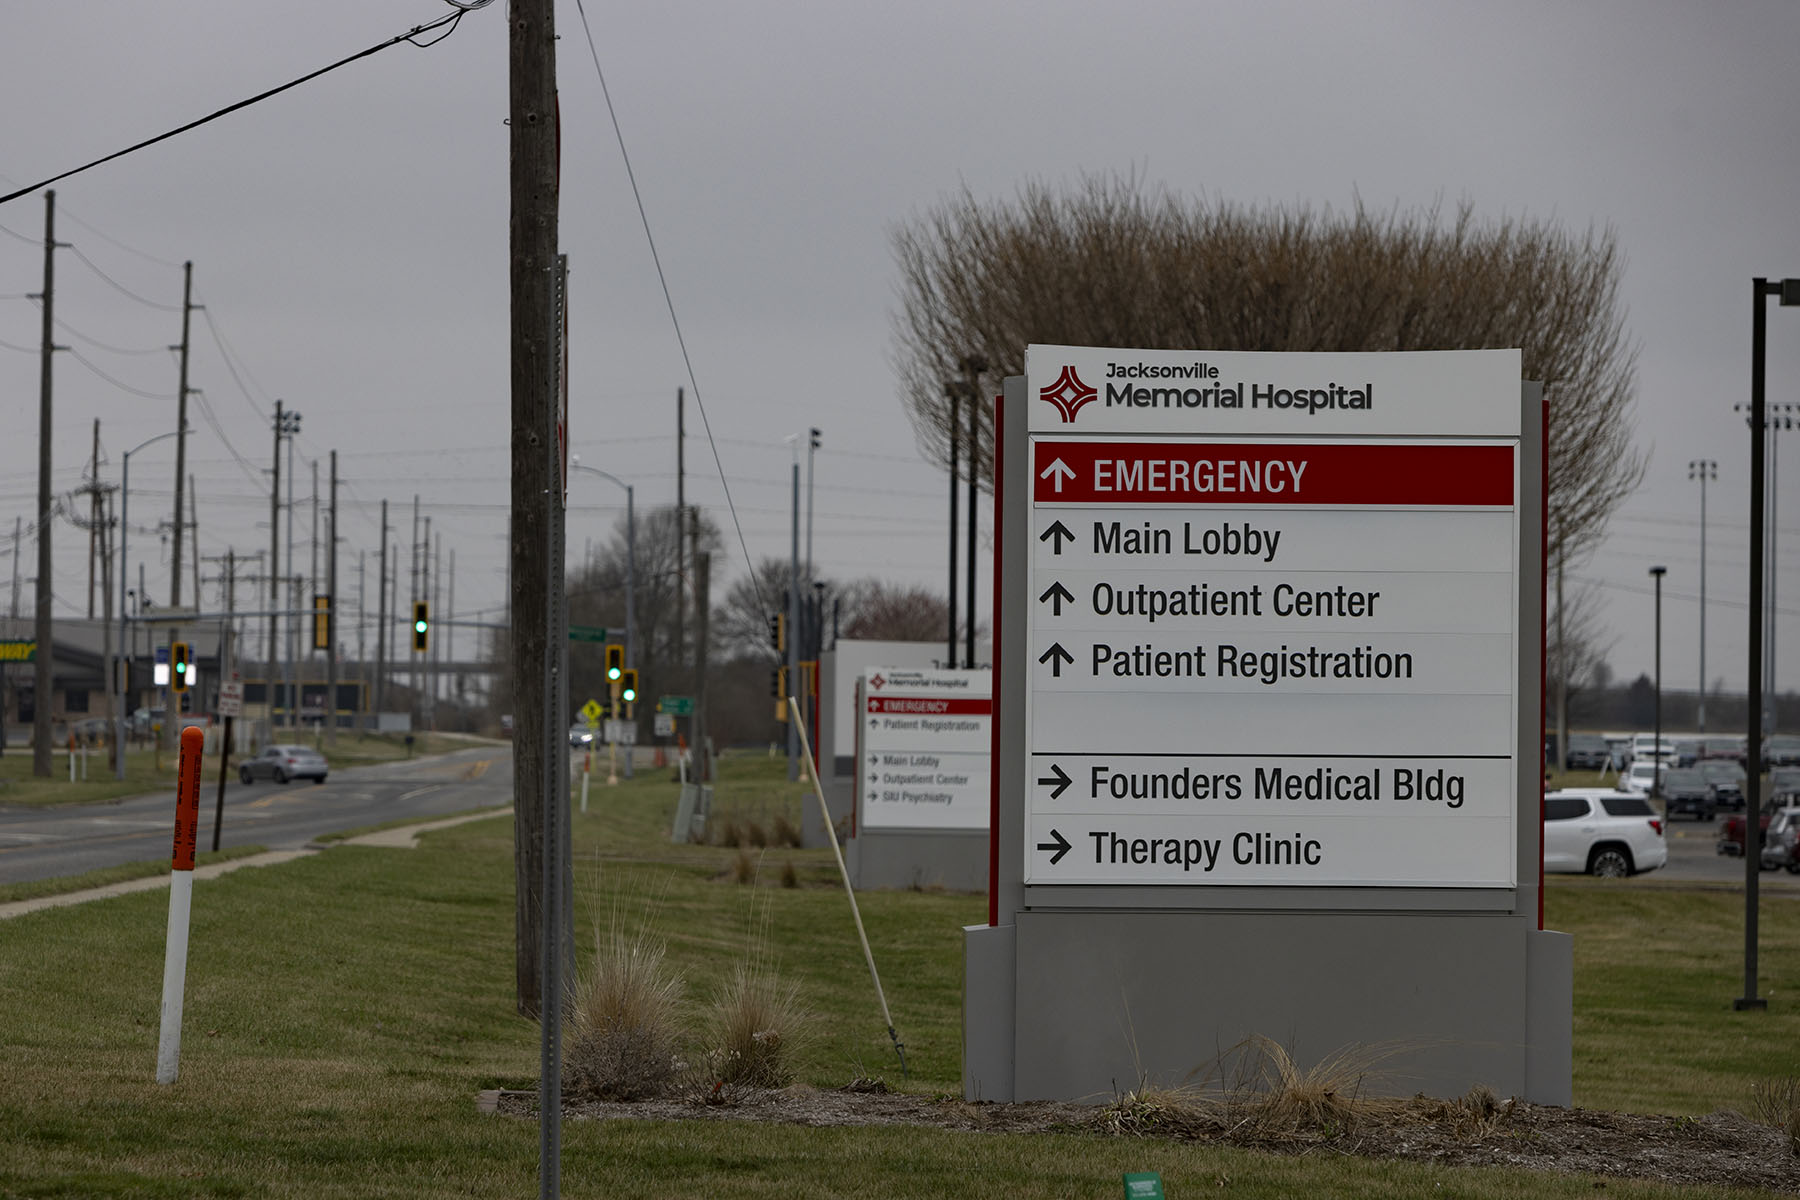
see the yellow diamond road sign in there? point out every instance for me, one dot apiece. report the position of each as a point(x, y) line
point(591, 710)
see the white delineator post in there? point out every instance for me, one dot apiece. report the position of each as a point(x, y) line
point(181, 898)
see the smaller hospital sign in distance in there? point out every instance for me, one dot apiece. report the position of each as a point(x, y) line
point(924, 748)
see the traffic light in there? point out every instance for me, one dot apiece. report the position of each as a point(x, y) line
point(778, 689)
point(321, 622)
point(178, 666)
point(628, 692)
point(778, 632)
point(615, 662)
point(421, 626)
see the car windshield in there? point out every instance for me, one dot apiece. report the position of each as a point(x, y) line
point(1684, 779)
point(1728, 771)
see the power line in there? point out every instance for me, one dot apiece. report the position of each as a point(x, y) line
point(668, 299)
point(452, 20)
point(117, 286)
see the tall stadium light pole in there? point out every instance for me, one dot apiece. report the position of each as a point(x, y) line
point(1788, 290)
point(124, 534)
point(1657, 574)
point(1706, 471)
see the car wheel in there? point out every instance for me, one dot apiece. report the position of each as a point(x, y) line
point(244, 774)
point(1711, 814)
point(1610, 862)
point(280, 775)
point(320, 779)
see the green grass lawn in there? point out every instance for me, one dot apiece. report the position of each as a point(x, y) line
point(343, 1010)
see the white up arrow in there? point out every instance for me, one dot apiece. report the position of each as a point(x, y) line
point(1056, 472)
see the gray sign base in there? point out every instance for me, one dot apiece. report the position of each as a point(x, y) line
point(954, 860)
point(1082, 1006)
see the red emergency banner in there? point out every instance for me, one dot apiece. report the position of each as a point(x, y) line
point(933, 706)
point(1232, 473)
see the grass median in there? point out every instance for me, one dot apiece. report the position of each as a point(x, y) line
point(343, 1010)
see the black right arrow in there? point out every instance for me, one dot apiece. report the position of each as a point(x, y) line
point(1056, 656)
point(1060, 845)
point(1057, 595)
point(1059, 531)
point(1058, 778)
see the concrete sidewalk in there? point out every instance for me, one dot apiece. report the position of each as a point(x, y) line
point(403, 837)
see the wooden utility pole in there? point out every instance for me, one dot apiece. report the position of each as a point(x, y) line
point(381, 622)
point(533, 238)
point(44, 678)
point(93, 489)
point(181, 395)
point(274, 569)
point(331, 616)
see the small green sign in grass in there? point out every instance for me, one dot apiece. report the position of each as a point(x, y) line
point(1143, 1185)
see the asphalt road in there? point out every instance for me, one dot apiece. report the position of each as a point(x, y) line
point(41, 843)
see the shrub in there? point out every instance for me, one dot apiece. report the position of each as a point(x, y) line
point(756, 1025)
point(624, 1020)
point(743, 867)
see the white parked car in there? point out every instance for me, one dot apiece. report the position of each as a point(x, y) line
point(1638, 777)
point(1645, 746)
point(1596, 831)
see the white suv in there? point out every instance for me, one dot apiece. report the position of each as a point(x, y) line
point(1596, 831)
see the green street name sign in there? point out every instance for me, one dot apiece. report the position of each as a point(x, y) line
point(587, 633)
point(676, 706)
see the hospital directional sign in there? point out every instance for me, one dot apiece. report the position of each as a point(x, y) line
point(1271, 631)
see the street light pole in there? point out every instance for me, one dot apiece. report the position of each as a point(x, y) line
point(1788, 290)
point(630, 570)
point(124, 535)
point(1657, 573)
point(1706, 471)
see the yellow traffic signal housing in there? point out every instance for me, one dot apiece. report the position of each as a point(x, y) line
point(615, 662)
point(178, 666)
point(778, 632)
point(321, 622)
point(421, 626)
point(628, 691)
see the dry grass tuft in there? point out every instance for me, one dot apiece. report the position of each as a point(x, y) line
point(624, 1020)
point(1158, 1112)
point(785, 832)
point(1273, 1099)
point(729, 833)
point(1255, 1094)
point(743, 867)
point(790, 878)
point(753, 834)
point(1777, 1102)
point(1473, 1116)
point(757, 1025)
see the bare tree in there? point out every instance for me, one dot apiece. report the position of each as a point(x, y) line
point(888, 612)
point(1111, 262)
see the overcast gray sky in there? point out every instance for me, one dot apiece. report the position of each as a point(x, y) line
point(349, 240)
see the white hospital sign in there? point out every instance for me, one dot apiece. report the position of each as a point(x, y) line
point(1273, 628)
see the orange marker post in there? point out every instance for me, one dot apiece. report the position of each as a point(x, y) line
point(181, 899)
